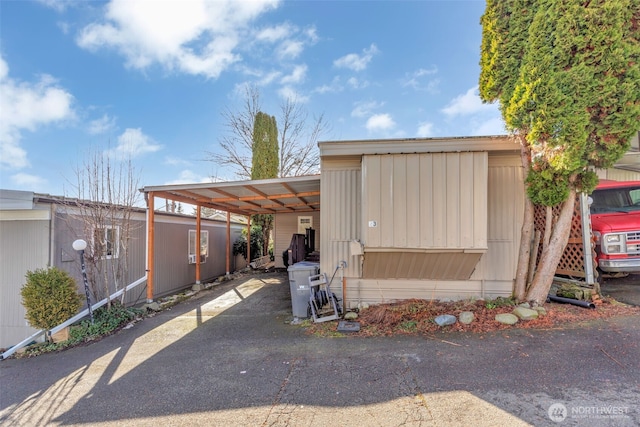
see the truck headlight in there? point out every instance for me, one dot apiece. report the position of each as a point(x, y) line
point(614, 249)
point(613, 243)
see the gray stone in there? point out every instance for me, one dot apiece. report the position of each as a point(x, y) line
point(445, 320)
point(525, 313)
point(350, 316)
point(541, 311)
point(466, 317)
point(197, 287)
point(153, 306)
point(525, 305)
point(507, 318)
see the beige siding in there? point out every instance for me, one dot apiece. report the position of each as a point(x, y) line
point(619, 175)
point(505, 204)
point(286, 225)
point(24, 246)
point(428, 201)
point(340, 200)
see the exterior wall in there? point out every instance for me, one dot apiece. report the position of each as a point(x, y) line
point(286, 225)
point(426, 201)
point(43, 234)
point(173, 271)
point(24, 246)
point(494, 273)
point(341, 219)
point(506, 204)
point(619, 175)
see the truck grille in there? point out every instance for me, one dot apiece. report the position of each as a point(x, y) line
point(633, 243)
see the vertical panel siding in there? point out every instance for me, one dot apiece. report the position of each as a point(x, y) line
point(286, 225)
point(340, 194)
point(506, 201)
point(24, 246)
point(433, 200)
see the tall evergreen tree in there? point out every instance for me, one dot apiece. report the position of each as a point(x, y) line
point(567, 76)
point(264, 165)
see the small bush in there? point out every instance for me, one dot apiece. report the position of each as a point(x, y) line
point(105, 322)
point(50, 297)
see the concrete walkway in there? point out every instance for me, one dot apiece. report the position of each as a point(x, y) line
point(230, 358)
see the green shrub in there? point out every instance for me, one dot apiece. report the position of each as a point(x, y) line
point(50, 297)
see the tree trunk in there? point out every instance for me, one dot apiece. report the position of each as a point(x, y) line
point(526, 232)
point(552, 253)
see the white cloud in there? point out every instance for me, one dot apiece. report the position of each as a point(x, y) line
point(25, 107)
point(364, 109)
point(492, 126)
point(356, 62)
point(188, 177)
point(57, 5)
point(195, 37)
point(24, 180)
point(467, 104)
point(290, 49)
point(275, 34)
point(357, 84)
point(287, 92)
point(133, 143)
point(102, 125)
point(174, 161)
point(334, 87)
point(422, 80)
point(380, 123)
point(298, 75)
point(425, 129)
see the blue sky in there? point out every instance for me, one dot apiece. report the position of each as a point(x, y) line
point(150, 79)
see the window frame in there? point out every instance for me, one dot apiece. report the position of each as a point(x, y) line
point(204, 246)
point(105, 230)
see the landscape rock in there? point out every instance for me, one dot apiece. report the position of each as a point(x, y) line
point(197, 287)
point(445, 320)
point(466, 317)
point(350, 315)
point(525, 313)
point(541, 310)
point(507, 318)
point(525, 305)
point(153, 306)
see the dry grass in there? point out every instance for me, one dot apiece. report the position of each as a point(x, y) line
point(416, 317)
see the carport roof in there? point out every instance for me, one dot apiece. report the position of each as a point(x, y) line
point(267, 196)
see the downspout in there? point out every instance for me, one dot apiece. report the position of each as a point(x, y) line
point(52, 234)
point(228, 242)
point(248, 240)
point(150, 244)
point(198, 243)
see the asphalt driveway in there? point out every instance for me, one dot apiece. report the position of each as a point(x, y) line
point(623, 289)
point(230, 357)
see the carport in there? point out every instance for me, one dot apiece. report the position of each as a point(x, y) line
point(269, 196)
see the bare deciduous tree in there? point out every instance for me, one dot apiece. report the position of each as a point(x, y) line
point(297, 140)
point(107, 195)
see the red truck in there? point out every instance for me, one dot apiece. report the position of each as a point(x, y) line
point(615, 221)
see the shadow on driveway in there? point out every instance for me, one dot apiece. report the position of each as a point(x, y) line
point(230, 357)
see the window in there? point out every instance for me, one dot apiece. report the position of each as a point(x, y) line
point(204, 246)
point(106, 242)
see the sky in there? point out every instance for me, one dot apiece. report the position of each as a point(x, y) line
point(149, 80)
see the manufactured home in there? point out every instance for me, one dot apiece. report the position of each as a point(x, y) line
point(431, 218)
point(38, 230)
